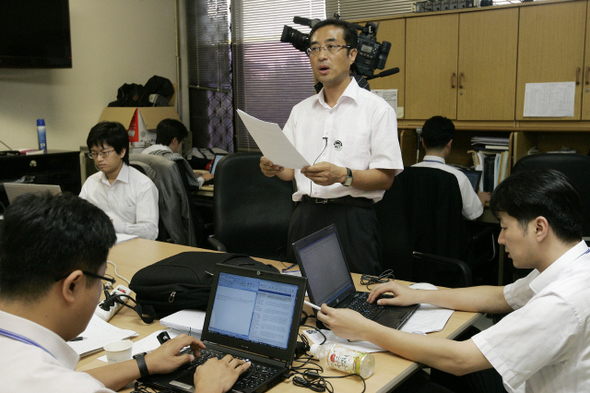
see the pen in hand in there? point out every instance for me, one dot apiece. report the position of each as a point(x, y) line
point(79, 338)
point(315, 307)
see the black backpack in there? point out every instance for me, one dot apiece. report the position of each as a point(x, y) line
point(182, 281)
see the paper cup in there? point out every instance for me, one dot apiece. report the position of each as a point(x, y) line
point(118, 351)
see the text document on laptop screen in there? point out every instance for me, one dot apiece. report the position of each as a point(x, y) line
point(322, 259)
point(257, 310)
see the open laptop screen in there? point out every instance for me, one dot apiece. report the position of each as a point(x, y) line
point(254, 309)
point(320, 257)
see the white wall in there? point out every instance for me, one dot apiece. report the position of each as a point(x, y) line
point(113, 42)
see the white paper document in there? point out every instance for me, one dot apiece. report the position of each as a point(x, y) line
point(554, 99)
point(99, 333)
point(124, 237)
point(273, 143)
point(186, 321)
point(389, 95)
point(427, 319)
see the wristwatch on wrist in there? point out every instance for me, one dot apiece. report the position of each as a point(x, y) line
point(348, 180)
point(143, 370)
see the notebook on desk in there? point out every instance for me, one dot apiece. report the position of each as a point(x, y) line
point(321, 260)
point(251, 315)
point(13, 190)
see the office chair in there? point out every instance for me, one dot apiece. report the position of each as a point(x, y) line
point(577, 169)
point(177, 223)
point(251, 212)
point(424, 235)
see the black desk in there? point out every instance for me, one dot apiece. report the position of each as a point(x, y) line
point(55, 167)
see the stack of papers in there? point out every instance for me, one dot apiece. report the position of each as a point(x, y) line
point(98, 333)
point(185, 321)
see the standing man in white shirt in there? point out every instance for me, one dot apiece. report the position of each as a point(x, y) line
point(543, 344)
point(350, 136)
point(437, 138)
point(126, 195)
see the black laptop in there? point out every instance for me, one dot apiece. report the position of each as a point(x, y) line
point(322, 261)
point(251, 315)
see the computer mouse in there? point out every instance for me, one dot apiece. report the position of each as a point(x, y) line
point(385, 296)
point(423, 285)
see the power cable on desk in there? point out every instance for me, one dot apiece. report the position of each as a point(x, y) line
point(117, 274)
point(386, 276)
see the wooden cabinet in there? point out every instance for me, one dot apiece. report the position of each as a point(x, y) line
point(462, 66)
point(393, 31)
point(586, 77)
point(551, 49)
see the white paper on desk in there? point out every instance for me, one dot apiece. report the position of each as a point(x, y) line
point(273, 143)
point(187, 321)
point(427, 319)
point(123, 237)
point(99, 333)
point(362, 346)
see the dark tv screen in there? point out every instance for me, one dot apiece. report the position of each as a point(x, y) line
point(35, 34)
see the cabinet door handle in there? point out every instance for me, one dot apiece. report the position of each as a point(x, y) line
point(588, 75)
point(461, 80)
point(453, 76)
point(578, 70)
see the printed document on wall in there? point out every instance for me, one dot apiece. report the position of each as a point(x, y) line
point(555, 99)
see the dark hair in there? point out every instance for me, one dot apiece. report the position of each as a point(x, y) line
point(46, 237)
point(168, 129)
point(548, 193)
point(350, 33)
point(112, 134)
point(437, 132)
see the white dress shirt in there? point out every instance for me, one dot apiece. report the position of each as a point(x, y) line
point(131, 202)
point(44, 363)
point(472, 207)
point(544, 345)
point(359, 132)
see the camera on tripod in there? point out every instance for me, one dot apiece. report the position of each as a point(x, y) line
point(371, 54)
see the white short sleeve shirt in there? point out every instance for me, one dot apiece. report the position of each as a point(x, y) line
point(544, 345)
point(47, 366)
point(359, 132)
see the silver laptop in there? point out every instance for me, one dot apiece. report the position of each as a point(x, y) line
point(251, 315)
point(13, 190)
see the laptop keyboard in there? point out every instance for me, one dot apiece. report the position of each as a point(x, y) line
point(254, 376)
point(359, 303)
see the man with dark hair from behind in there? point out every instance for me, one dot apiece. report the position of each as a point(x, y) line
point(543, 344)
point(126, 195)
point(437, 138)
point(169, 136)
point(53, 252)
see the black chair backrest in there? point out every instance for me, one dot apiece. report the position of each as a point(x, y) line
point(575, 166)
point(422, 212)
point(251, 212)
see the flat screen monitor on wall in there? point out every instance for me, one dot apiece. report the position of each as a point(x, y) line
point(35, 34)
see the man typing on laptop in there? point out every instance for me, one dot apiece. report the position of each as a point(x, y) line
point(53, 252)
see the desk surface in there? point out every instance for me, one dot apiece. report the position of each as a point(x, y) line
point(390, 370)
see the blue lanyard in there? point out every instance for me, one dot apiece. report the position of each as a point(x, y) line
point(584, 253)
point(22, 339)
point(438, 162)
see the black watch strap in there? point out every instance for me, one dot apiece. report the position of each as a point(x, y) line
point(143, 370)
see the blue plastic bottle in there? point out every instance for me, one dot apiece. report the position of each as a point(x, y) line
point(41, 134)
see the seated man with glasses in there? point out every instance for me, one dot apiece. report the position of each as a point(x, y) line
point(350, 136)
point(127, 196)
point(53, 253)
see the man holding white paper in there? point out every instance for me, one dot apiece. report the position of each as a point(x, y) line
point(349, 135)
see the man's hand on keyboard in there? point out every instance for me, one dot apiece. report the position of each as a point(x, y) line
point(219, 375)
point(167, 357)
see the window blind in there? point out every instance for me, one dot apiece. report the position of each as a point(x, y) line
point(270, 76)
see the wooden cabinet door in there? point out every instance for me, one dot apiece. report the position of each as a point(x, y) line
point(393, 31)
point(585, 78)
point(551, 49)
point(488, 43)
point(431, 66)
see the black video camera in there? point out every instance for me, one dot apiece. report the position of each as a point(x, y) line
point(371, 54)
